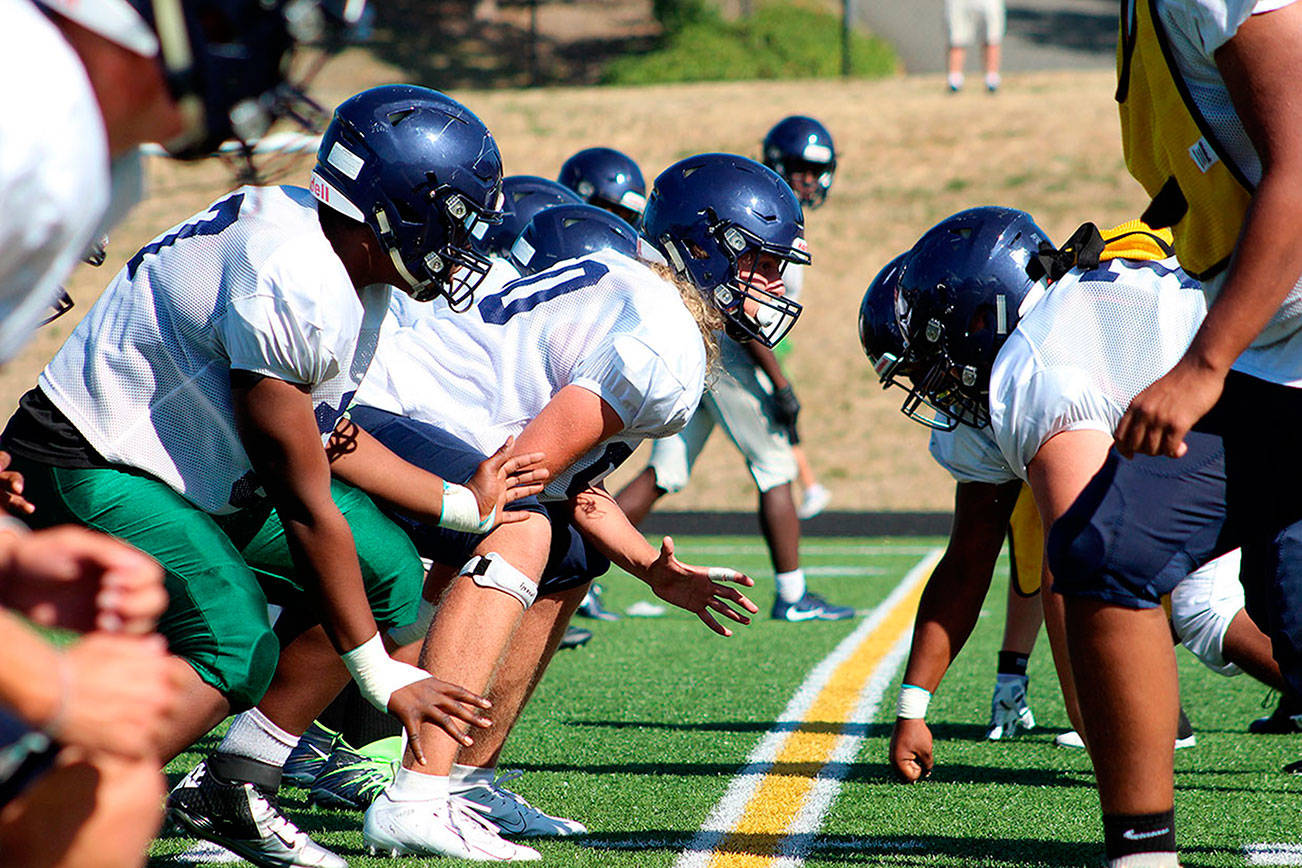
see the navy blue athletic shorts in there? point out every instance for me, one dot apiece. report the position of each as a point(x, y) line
point(572, 561)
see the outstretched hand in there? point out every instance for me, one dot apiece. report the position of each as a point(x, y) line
point(445, 705)
point(698, 589)
point(503, 478)
point(911, 749)
point(1159, 417)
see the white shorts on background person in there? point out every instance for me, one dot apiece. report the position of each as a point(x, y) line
point(740, 401)
point(965, 18)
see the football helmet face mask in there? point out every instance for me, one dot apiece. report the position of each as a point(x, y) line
point(713, 215)
point(568, 232)
point(800, 149)
point(608, 179)
point(523, 196)
point(962, 291)
point(425, 174)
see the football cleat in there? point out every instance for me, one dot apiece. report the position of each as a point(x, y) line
point(512, 815)
point(242, 818)
point(592, 607)
point(353, 778)
point(810, 607)
point(1184, 736)
point(437, 828)
point(310, 755)
point(1284, 720)
point(1009, 712)
point(815, 501)
point(575, 637)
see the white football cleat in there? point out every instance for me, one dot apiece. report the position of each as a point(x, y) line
point(437, 828)
point(512, 815)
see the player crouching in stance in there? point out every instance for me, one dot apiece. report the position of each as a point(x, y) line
point(1022, 382)
point(604, 350)
point(194, 414)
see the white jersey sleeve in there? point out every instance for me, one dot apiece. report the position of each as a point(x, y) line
point(1079, 357)
point(646, 389)
point(970, 455)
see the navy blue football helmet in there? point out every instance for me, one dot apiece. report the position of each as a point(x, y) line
point(800, 149)
point(608, 179)
point(879, 332)
point(568, 232)
point(963, 290)
point(708, 212)
point(424, 173)
point(522, 197)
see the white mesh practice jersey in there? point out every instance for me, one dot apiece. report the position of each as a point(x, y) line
point(54, 168)
point(1075, 361)
point(606, 323)
point(405, 310)
point(1196, 29)
point(250, 284)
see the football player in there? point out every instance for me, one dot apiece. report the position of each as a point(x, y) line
point(187, 415)
point(624, 348)
point(1010, 378)
point(800, 149)
point(1211, 127)
point(110, 79)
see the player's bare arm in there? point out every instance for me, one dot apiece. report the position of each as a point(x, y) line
point(359, 459)
point(948, 610)
point(1260, 66)
point(279, 432)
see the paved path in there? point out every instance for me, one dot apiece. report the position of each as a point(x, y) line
point(1042, 34)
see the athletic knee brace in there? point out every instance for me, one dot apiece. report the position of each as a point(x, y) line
point(492, 571)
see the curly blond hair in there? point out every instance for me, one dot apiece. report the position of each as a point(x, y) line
point(708, 318)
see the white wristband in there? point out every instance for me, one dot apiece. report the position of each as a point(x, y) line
point(378, 675)
point(913, 702)
point(460, 510)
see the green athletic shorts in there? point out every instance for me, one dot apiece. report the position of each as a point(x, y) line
point(223, 570)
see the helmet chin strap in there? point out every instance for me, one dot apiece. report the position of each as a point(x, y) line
point(414, 286)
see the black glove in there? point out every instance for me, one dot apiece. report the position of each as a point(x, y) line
point(786, 407)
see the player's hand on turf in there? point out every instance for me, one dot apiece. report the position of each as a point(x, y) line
point(444, 705)
point(1160, 416)
point(699, 590)
point(118, 694)
point(81, 580)
point(911, 749)
point(11, 489)
point(503, 478)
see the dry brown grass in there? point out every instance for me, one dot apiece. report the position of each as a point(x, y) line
point(910, 154)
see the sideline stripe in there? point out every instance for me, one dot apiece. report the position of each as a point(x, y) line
point(762, 804)
point(1273, 854)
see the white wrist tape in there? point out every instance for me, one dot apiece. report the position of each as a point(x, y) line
point(416, 630)
point(460, 510)
point(913, 702)
point(378, 675)
point(492, 571)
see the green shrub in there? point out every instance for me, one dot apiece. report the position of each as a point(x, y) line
point(674, 15)
point(780, 40)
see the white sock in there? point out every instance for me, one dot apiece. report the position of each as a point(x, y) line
point(466, 777)
point(412, 786)
point(955, 80)
point(791, 586)
point(254, 736)
point(1146, 860)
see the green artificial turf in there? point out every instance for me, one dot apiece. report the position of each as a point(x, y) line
point(639, 733)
